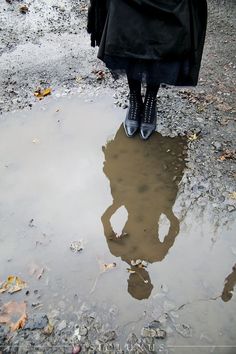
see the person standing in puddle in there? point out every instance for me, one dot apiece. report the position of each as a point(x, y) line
point(151, 41)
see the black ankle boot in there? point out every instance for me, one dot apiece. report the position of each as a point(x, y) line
point(133, 117)
point(149, 118)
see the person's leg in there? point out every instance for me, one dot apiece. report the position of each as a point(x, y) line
point(148, 124)
point(133, 117)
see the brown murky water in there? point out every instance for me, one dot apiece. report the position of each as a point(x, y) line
point(67, 173)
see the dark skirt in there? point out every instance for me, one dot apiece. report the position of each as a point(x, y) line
point(159, 47)
point(149, 71)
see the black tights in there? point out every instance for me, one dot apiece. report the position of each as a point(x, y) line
point(135, 87)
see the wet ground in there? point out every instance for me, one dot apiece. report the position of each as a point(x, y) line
point(68, 173)
point(81, 205)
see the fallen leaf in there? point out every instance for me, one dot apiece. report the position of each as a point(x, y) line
point(232, 195)
point(41, 93)
point(14, 315)
point(228, 155)
point(12, 284)
point(107, 266)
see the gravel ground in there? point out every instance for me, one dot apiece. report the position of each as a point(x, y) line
point(48, 47)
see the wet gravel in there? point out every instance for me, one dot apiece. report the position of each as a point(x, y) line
point(86, 332)
point(48, 47)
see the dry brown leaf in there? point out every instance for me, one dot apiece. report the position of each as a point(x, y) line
point(14, 315)
point(12, 284)
point(41, 93)
point(107, 266)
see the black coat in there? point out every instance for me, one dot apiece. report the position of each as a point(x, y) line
point(150, 29)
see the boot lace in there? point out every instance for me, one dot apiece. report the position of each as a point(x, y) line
point(135, 106)
point(149, 109)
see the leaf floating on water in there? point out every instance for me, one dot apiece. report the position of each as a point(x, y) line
point(131, 271)
point(14, 314)
point(12, 284)
point(107, 266)
point(41, 93)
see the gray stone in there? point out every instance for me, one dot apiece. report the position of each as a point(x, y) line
point(218, 146)
point(36, 321)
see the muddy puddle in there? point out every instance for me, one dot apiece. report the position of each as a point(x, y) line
point(68, 173)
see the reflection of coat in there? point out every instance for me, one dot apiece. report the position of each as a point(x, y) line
point(144, 179)
point(151, 29)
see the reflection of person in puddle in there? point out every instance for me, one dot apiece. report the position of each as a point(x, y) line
point(144, 179)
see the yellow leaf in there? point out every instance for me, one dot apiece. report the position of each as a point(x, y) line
point(192, 137)
point(41, 93)
point(35, 141)
point(12, 285)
